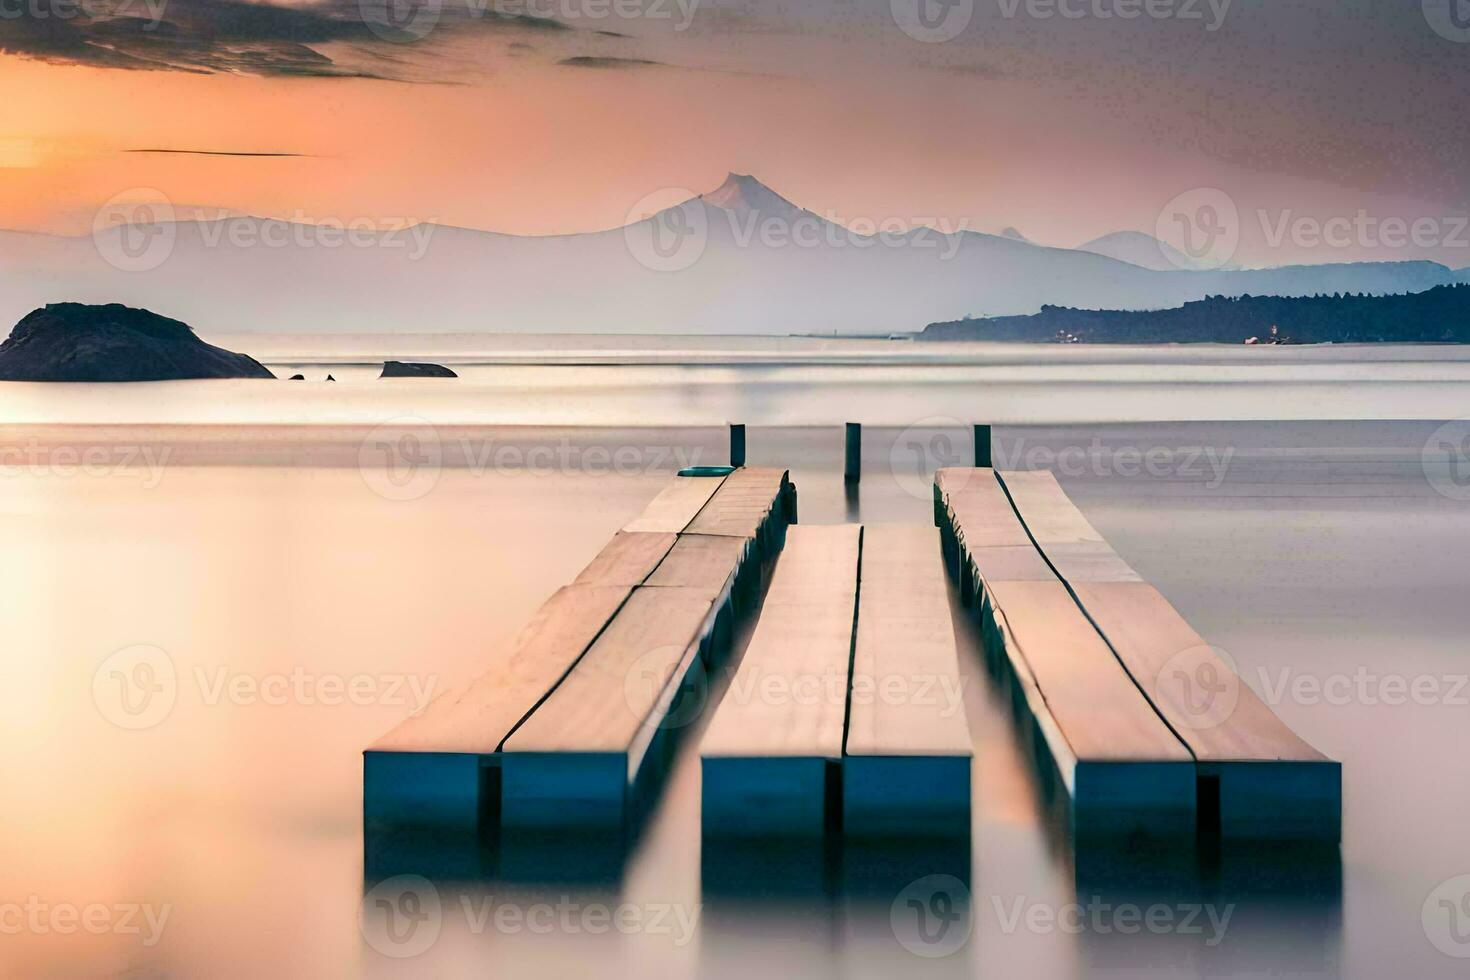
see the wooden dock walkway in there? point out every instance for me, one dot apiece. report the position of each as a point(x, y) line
point(847, 706)
point(907, 755)
point(1124, 771)
point(484, 754)
point(770, 755)
point(1257, 779)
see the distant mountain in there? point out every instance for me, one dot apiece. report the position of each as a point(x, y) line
point(1136, 248)
point(73, 342)
point(1015, 236)
point(1439, 315)
point(739, 259)
point(1463, 275)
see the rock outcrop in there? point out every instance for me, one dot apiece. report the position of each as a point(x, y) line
point(412, 369)
point(78, 342)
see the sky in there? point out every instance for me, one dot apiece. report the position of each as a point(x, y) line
point(1334, 129)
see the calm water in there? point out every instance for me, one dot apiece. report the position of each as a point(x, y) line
point(271, 570)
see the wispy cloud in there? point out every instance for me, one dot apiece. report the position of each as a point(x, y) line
point(217, 153)
point(243, 37)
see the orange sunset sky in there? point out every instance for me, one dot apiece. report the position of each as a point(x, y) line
point(1063, 127)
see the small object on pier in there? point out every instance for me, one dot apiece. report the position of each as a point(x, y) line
point(982, 446)
point(737, 444)
point(853, 469)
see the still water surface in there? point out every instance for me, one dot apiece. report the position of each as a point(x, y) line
point(304, 597)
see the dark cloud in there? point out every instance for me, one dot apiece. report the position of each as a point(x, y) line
point(242, 37)
point(599, 61)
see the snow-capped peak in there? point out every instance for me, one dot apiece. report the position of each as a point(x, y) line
point(743, 193)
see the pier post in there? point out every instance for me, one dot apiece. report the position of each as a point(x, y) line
point(982, 446)
point(737, 443)
point(853, 469)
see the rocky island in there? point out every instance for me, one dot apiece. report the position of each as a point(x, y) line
point(112, 342)
point(415, 369)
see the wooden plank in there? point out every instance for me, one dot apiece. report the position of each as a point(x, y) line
point(768, 755)
point(1011, 565)
point(1266, 781)
point(428, 769)
point(1271, 782)
point(981, 513)
point(701, 561)
point(1124, 769)
point(676, 504)
point(1046, 510)
point(742, 504)
point(1068, 540)
point(908, 751)
point(441, 769)
point(576, 760)
point(628, 559)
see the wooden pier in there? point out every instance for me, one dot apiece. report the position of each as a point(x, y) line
point(1124, 770)
point(837, 718)
point(846, 712)
point(658, 599)
point(1097, 653)
point(1257, 779)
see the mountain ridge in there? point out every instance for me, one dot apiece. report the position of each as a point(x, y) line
point(738, 259)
